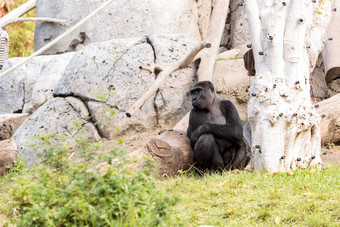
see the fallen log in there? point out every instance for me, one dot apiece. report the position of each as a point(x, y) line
point(329, 110)
point(171, 150)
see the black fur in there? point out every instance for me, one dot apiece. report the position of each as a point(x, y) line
point(215, 131)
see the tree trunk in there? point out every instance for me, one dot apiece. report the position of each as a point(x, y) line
point(215, 32)
point(287, 37)
point(331, 52)
point(329, 110)
point(171, 150)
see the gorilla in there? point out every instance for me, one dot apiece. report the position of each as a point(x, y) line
point(215, 131)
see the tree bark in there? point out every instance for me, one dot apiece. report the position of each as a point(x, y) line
point(287, 38)
point(171, 150)
point(331, 51)
point(329, 110)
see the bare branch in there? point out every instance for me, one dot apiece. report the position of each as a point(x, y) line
point(163, 74)
point(18, 12)
point(35, 19)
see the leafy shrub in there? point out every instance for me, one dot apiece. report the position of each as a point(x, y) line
point(75, 195)
point(83, 193)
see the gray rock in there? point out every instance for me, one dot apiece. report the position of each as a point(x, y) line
point(121, 19)
point(57, 117)
point(173, 100)
point(9, 123)
point(231, 81)
point(8, 154)
point(48, 78)
point(16, 87)
point(109, 72)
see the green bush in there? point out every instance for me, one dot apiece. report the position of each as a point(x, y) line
point(79, 193)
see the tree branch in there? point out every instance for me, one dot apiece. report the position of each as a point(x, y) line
point(35, 19)
point(18, 12)
point(163, 74)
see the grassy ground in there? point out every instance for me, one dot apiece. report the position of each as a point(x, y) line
point(307, 198)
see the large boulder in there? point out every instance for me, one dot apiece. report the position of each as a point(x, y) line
point(16, 87)
point(31, 85)
point(9, 124)
point(47, 80)
point(121, 19)
point(231, 80)
point(58, 117)
point(109, 73)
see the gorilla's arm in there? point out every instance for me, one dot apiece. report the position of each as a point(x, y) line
point(229, 132)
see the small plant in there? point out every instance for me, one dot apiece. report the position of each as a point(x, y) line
point(330, 145)
point(18, 167)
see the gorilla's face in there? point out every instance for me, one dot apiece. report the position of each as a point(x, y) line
point(202, 96)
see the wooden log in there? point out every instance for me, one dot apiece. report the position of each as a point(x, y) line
point(329, 110)
point(165, 73)
point(330, 53)
point(171, 150)
point(18, 12)
point(215, 32)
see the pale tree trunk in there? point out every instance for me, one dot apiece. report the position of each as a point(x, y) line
point(287, 37)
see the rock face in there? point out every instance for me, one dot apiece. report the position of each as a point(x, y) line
point(102, 81)
point(134, 18)
point(8, 154)
point(109, 72)
point(16, 87)
point(57, 117)
point(47, 80)
point(9, 124)
point(231, 81)
point(32, 84)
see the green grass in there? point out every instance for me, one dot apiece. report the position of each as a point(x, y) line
point(307, 198)
point(241, 198)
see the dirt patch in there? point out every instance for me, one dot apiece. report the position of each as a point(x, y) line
point(133, 141)
point(331, 156)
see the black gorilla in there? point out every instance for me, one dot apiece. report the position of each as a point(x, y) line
point(215, 131)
